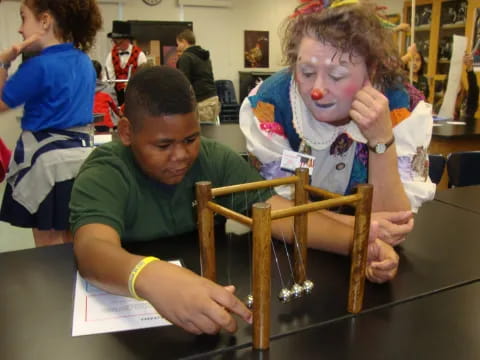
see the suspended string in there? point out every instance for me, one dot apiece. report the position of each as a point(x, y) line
point(275, 255)
point(286, 250)
point(229, 253)
point(249, 241)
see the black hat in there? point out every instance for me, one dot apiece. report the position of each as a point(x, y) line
point(120, 30)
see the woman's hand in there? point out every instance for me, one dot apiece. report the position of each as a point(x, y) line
point(370, 111)
point(382, 260)
point(393, 227)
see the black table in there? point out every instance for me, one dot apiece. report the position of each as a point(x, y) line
point(467, 197)
point(36, 289)
point(442, 326)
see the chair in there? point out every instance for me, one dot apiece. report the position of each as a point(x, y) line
point(463, 168)
point(436, 167)
point(230, 107)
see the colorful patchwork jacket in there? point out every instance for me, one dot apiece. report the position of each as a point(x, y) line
point(273, 119)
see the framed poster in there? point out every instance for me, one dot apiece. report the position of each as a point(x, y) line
point(256, 48)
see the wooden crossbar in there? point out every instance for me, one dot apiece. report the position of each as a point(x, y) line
point(225, 190)
point(314, 206)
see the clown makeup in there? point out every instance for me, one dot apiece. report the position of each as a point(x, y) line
point(338, 76)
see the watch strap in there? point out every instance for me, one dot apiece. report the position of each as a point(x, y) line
point(387, 145)
point(4, 65)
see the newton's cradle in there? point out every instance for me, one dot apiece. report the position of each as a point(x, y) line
point(260, 223)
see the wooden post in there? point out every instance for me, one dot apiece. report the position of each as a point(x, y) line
point(262, 258)
point(360, 247)
point(206, 236)
point(300, 227)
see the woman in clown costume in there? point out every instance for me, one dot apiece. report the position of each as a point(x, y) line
point(343, 101)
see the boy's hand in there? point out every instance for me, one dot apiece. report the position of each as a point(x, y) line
point(382, 260)
point(370, 111)
point(393, 227)
point(190, 301)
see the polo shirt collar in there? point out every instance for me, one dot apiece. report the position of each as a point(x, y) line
point(57, 48)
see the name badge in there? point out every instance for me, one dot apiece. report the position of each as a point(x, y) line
point(292, 160)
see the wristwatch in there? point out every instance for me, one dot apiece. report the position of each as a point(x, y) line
point(4, 65)
point(380, 148)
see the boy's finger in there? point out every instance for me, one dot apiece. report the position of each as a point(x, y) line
point(231, 303)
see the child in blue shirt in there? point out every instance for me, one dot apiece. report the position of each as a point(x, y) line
point(56, 88)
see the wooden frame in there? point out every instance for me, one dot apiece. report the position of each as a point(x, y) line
point(260, 223)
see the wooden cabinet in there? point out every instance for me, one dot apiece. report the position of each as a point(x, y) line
point(473, 35)
point(436, 21)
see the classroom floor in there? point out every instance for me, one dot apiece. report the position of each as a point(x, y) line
point(13, 238)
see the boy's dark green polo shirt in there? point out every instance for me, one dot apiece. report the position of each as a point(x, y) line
point(111, 189)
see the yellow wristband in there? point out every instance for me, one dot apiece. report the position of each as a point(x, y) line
point(134, 273)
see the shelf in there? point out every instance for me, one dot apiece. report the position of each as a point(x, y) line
point(455, 26)
point(422, 27)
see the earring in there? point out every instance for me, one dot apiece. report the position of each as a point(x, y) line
point(316, 94)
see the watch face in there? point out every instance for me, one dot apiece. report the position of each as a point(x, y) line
point(380, 148)
point(152, 2)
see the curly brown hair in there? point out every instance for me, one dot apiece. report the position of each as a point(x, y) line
point(77, 20)
point(352, 29)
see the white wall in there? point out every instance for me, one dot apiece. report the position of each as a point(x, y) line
point(9, 24)
point(220, 30)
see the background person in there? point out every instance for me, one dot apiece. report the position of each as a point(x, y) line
point(420, 81)
point(195, 63)
point(103, 103)
point(56, 88)
point(467, 99)
point(124, 58)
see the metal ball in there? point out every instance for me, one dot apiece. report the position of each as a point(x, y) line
point(285, 295)
point(249, 301)
point(307, 286)
point(297, 290)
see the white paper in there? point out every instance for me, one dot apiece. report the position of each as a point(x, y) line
point(96, 311)
point(454, 76)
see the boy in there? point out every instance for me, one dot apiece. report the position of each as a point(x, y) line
point(195, 63)
point(142, 188)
